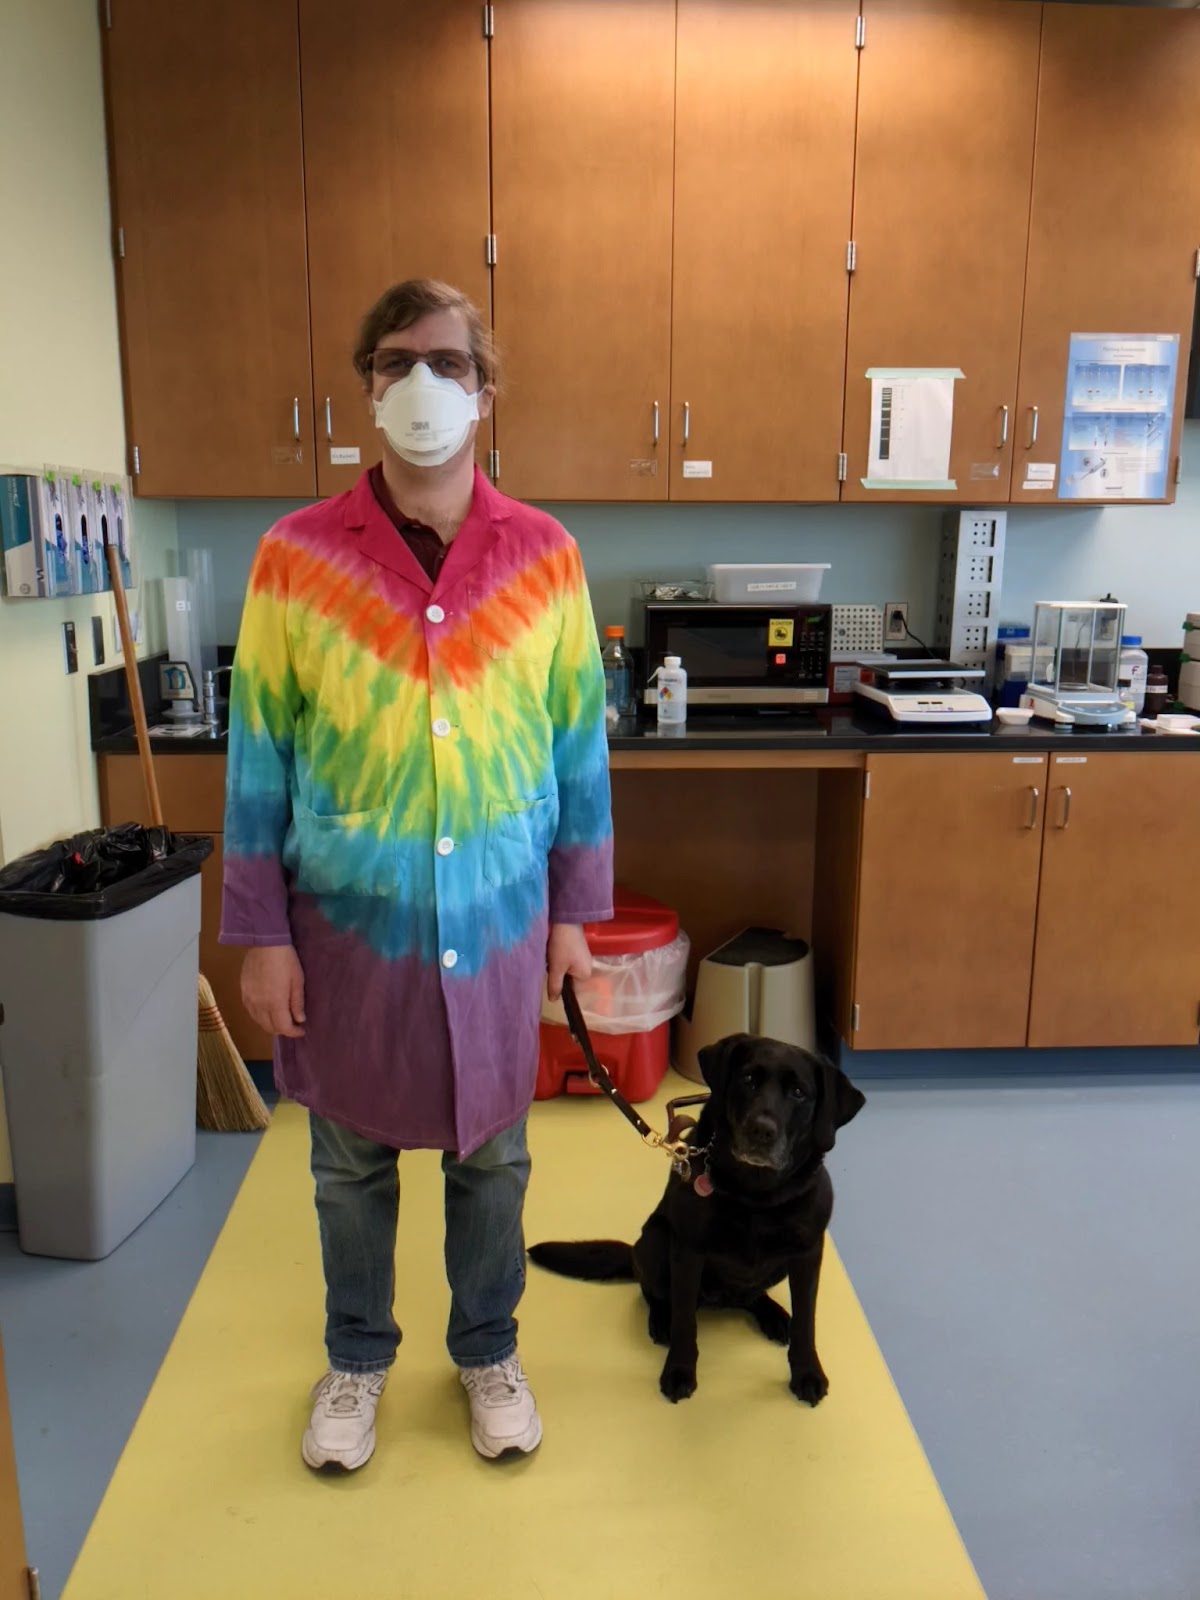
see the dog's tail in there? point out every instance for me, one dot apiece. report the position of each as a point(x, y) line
point(595, 1260)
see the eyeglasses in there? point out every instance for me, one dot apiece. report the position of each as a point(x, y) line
point(391, 363)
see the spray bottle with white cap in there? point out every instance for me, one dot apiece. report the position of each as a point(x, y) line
point(672, 693)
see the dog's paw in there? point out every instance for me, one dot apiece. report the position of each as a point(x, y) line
point(773, 1320)
point(659, 1325)
point(809, 1384)
point(677, 1383)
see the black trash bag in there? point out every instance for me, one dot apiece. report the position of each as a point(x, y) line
point(100, 873)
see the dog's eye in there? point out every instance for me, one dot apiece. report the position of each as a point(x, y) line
point(799, 1092)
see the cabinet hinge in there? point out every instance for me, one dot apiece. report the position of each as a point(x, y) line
point(866, 785)
point(489, 22)
point(854, 1015)
point(851, 256)
point(137, 461)
point(121, 243)
point(494, 465)
point(860, 33)
point(843, 466)
point(1196, 264)
point(489, 249)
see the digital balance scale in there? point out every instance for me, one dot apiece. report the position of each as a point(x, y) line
point(924, 691)
point(1077, 663)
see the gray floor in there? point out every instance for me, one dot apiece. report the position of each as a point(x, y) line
point(83, 1342)
point(1025, 1248)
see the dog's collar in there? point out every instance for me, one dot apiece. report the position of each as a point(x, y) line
point(800, 1178)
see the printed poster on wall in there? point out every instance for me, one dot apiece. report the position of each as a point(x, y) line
point(1117, 417)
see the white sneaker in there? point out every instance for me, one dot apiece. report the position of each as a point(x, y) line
point(504, 1414)
point(342, 1430)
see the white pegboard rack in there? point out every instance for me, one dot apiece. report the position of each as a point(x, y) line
point(970, 574)
point(856, 628)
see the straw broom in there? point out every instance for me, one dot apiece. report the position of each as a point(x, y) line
point(226, 1099)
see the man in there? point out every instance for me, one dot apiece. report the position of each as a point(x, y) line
point(418, 824)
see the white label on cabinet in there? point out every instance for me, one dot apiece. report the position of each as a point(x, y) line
point(697, 469)
point(344, 455)
point(1070, 761)
point(1027, 761)
point(1039, 475)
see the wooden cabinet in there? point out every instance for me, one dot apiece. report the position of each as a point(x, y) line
point(396, 180)
point(583, 101)
point(946, 110)
point(764, 170)
point(208, 204)
point(1115, 219)
point(947, 900)
point(1117, 958)
point(192, 790)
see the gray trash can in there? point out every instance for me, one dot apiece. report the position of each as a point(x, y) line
point(98, 1049)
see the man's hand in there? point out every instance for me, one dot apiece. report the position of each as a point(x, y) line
point(567, 951)
point(273, 989)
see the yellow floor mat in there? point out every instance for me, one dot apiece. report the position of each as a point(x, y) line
point(740, 1491)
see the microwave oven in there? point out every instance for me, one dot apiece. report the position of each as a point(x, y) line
point(739, 656)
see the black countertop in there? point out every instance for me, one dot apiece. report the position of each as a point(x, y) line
point(835, 729)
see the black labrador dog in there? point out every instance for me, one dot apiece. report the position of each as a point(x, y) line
point(753, 1211)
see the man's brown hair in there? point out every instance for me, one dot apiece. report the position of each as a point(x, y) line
point(406, 303)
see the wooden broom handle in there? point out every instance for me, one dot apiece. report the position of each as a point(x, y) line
point(134, 684)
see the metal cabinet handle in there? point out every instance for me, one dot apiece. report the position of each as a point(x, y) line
point(296, 417)
point(1003, 428)
point(656, 422)
point(328, 418)
point(1033, 426)
point(1034, 797)
point(687, 423)
point(1066, 808)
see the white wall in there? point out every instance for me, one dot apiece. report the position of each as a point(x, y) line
point(60, 400)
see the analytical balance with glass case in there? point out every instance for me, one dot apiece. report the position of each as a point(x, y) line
point(1076, 664)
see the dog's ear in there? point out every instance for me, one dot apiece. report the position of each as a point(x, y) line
point(718, 1061)
point(839, 1102)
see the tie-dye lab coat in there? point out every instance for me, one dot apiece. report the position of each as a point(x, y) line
point(418, 784)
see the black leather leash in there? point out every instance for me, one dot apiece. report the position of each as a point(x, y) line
point(674, 1143)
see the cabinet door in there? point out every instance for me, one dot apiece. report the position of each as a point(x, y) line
point(764, 166)
point(208, 192)
point(1116, 204)
point(948, 886)
point(396, 182)
point(1118, 958)
point(941, 214)
point(583, 97)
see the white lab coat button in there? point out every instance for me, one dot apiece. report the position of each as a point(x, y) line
point(441, 728)
point(445, 847)
point(435, 614)
point(450, 959)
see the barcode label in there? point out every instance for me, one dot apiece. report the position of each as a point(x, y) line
point(885, 422)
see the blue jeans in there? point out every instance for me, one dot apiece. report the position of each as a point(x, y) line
point(358, 1195)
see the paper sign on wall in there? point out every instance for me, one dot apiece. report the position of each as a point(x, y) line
point(912, 423)
point(1120, 403)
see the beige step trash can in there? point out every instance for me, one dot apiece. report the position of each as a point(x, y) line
point(761, 982)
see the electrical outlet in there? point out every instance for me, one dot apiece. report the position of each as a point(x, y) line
point(895, 622)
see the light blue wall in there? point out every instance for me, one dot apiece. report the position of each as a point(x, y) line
point(1147, 556)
